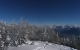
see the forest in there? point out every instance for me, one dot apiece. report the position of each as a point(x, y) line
point(15, 34)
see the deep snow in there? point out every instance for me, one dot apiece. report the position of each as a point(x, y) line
point(38, 45)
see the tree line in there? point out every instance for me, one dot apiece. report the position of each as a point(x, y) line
point(15, 34)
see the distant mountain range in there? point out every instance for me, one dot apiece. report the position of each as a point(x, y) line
point(67, 30)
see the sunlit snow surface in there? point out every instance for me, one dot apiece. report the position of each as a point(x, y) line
point(38, 45)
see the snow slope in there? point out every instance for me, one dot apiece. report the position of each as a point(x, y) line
point(38, 45)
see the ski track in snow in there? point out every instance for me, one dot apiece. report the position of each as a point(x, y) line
point(38, 45)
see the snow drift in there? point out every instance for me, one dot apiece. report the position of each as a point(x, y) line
point(38, 45)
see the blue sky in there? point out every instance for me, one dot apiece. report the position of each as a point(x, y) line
point(41, 12)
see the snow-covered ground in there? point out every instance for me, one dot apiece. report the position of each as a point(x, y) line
point(38, 45)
